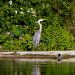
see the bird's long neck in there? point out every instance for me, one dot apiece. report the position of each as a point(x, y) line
point(40, 27)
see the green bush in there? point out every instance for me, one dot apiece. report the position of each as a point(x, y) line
point(57, 38)
point(18, 24)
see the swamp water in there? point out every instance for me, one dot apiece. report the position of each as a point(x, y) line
point(19, 67)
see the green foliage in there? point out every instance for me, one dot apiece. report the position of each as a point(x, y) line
point(57, 38)
point(18, 24)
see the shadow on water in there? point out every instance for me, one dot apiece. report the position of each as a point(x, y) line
point(52, 67)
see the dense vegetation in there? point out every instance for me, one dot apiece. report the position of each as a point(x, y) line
point(18, 24)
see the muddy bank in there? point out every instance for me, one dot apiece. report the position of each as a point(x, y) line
point(37, 54)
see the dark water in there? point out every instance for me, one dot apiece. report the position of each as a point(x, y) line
point(14, 67)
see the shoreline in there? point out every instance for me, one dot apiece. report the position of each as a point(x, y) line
point(38, 54)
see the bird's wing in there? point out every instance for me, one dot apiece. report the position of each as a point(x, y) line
point(36, 35)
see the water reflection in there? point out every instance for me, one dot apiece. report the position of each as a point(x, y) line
point(13, 67)
point(36, 70)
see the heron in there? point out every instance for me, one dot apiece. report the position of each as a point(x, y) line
point(37, 35)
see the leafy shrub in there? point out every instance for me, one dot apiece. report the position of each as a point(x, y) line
point(18, 24)
point(57, 38)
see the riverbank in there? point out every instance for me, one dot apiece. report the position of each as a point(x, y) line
point(37, 54)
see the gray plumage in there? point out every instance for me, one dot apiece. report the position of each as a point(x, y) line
point(37, 35)
point(36, 38)
point(59, 57)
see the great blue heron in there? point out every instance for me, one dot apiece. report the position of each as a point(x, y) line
point(37, 35)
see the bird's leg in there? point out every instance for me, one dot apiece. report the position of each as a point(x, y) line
point(37, 42)
point(34, 45)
